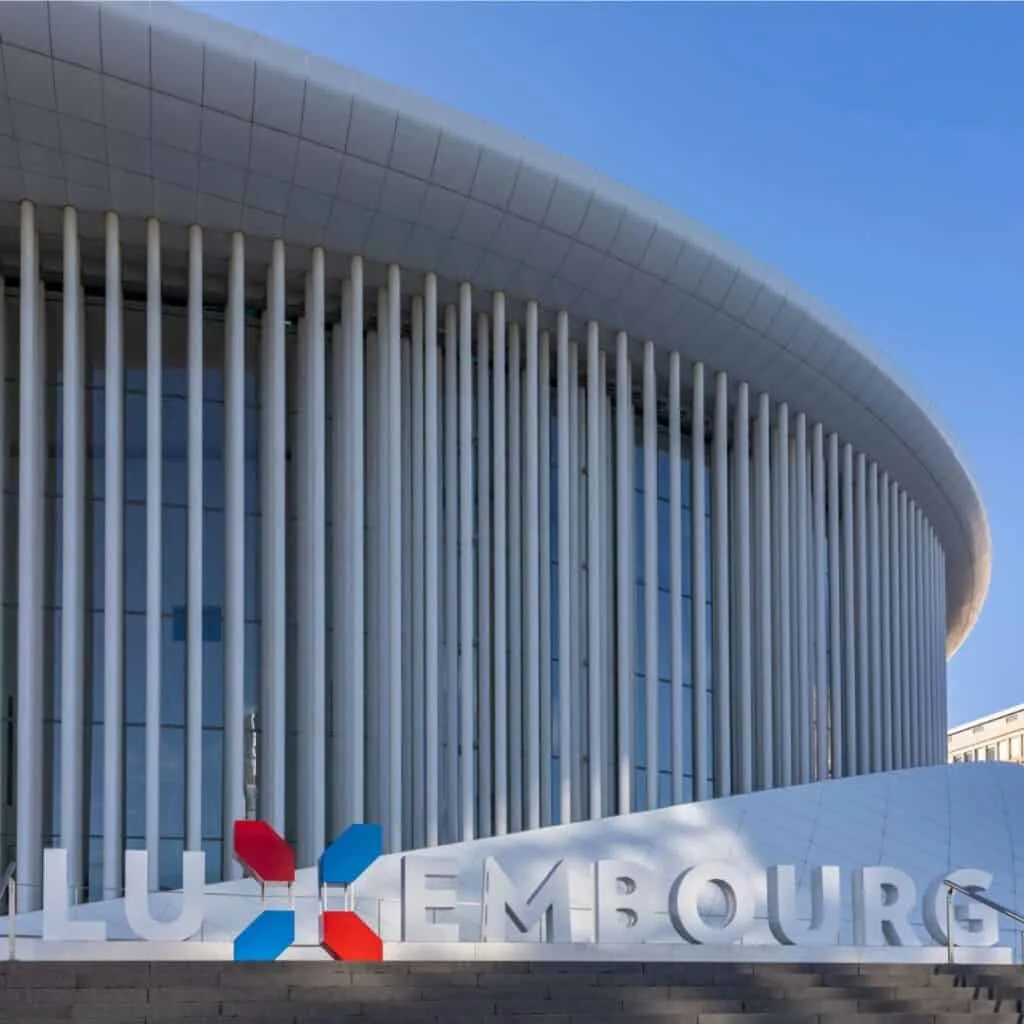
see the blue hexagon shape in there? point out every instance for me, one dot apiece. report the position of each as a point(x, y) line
point(266, 937)
point(350, 854)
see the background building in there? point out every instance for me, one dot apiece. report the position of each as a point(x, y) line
point(996, 737)
point(501, 495)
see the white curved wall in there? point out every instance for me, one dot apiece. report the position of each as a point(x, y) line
point(459, 507)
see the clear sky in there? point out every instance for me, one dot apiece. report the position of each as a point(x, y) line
point(873, 153)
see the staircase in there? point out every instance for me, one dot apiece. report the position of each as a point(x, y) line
point(411, 993)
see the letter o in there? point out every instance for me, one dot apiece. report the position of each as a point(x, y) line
point(684, 908)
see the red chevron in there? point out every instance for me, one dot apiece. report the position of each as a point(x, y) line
point(263, 853)
point(346, 936)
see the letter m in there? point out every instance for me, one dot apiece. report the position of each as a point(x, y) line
point(503, 904)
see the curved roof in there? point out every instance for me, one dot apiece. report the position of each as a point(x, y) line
point(155, 109)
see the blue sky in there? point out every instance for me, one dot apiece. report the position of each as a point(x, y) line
point(874, 153)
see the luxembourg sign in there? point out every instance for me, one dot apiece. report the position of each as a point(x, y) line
point(628, 903)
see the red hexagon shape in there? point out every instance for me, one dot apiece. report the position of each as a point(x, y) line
point(346, 936)
point(263, 852)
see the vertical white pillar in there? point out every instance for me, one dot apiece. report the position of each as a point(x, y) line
point(30, 571)
point(483, 573)
point(720, 588)
point(863, 683)
point(849, 618)
point(607, 599)
point(341, 582)
point(651, 573)
point(394, 567)
point(575, 599)
point(234, 550)
point(835, 672)
point(154, 542)
point(783, 628)
point(432, 568)
point(113, 580)
point(625, 584)
point(531, 600)
point(194, 602)
point(885, 579)
point(451, 572)
point(906, 728)
point(742, 691)
point(274, 522)
point(595, 631)
point(565, 702)
point(416, 728)
point(802, 697)
point(820, 566)
point(500, 477)
point(765, 733)
point(913, 688)
point(896, 617)
point(466, 632)
point(6, 569)
point(875, 764)
point(515, 584)
point(675, 567)
point(301, 388)
point(698, 590)
point(544, 501)
point(73, 572)
point(405, 688)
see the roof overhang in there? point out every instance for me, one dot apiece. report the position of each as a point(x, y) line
point(155, 109)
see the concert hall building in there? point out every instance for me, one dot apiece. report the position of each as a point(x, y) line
point(364, 462)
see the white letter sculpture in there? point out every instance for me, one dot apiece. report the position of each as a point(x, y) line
point(503, 905)
point(623, 904)
point(428, 886)
point(972, 924)
point(732, 884)
point(783, 919)
point(57, 923)
point(136, 898)
point(883, 899)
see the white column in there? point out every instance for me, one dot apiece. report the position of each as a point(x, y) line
point(531, 599)
point(565, 703)
point(73, 571)
point(885, 579)
point(301, 388)
point(607, 598)
point(154, 543)
point(849, 618)
point(341, 582)
point(500, 477)
point(394, 568)
point(675, 566)
point(783, 626)
point(467, 684)
point(913, 681)
point(451, 573)
point(904, 647)
point(651, 572)
point(405, 680)
point(863, 682)
point(416, 728)
point(30, 575)
point(896, 617)
point(515, 578)
point(234, 550)
point(7, 570)
point(432, 569)
point(698, 590)
point(742, 692)
point(483, 573)
point(624, 582)
point(574, 601)
point(820, 562)
point(274, 522)
point(595, 630)
point(194, 603)
point(765, 733)
point(875, 621)
point(720, 588)
point(544, 501)
point(802, 697)
point(835, 671)
point(113, 580)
